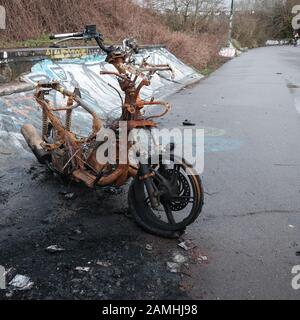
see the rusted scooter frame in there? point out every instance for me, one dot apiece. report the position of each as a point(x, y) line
point(84, 167)
point(157, 192)
point(128, 76)
point(133, 104)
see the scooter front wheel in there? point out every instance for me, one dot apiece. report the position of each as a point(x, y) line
point(179, 194)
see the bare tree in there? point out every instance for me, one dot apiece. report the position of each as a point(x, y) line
point(187, 14)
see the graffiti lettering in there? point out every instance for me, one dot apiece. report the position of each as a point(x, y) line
point(66, 53)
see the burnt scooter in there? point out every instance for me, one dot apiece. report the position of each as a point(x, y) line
point(163, 198)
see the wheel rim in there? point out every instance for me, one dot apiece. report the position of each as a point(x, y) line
point(178, 209)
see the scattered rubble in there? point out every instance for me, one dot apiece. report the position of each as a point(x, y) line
point(173, 267)
point(83, 269)
point(118, 245)
point(193, 251)
point(149, 247)
point(179, 261)
point(22, 283)
point(179, 258)
point(70, 196)
point(187, 245)
point(104, 264)
point(54, 249)
point(9, 294)
point(196, 255)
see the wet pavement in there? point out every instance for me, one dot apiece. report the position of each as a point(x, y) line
point(106, 256)
point(249, 230)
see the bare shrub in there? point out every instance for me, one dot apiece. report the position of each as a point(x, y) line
point(115, 19)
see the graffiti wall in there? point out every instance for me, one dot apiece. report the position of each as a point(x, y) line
point(96, 90)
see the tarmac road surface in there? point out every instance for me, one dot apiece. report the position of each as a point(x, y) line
point(250, 229)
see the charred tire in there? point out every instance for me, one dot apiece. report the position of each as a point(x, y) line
point(145, 217)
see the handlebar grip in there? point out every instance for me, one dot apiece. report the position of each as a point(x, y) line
point(66, 35)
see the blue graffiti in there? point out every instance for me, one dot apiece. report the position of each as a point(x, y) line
point(221, 144)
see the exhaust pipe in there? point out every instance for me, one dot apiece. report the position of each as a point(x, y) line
point(34, 141)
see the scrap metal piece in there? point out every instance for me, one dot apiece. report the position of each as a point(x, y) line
point(22, 283)
point(55, 249)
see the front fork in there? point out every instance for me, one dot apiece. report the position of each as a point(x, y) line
point(146, 175)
